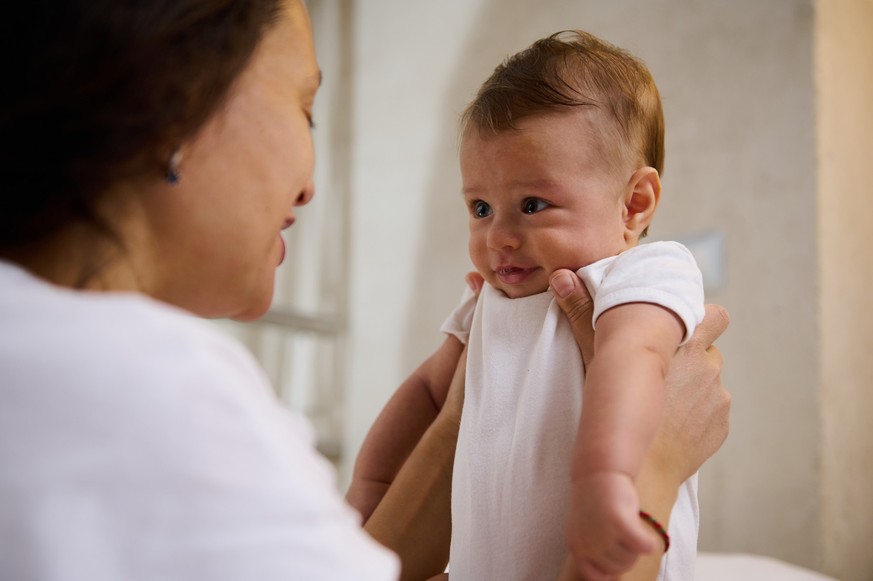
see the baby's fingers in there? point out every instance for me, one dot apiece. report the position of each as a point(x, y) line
point(590, 571)
point(633, 539)
point(619, 559)
point(616, 560)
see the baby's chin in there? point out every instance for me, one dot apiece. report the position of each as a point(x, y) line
point(521, 291)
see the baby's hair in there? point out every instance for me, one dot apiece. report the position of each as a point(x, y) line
point(573, 68)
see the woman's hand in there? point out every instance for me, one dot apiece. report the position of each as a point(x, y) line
point(696, 410)
point(697, 407)
point(574, 300)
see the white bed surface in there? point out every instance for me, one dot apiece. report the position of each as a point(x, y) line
point(742, 567)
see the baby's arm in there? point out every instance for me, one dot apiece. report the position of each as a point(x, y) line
point(400, 425)
point(621, 411)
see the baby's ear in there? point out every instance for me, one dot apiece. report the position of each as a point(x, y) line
point(640, 202)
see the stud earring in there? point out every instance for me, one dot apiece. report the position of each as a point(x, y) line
point(173, 167)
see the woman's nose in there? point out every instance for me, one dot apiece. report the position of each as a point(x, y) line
point(306, 194)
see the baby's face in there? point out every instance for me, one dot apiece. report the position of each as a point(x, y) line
point(540, 198)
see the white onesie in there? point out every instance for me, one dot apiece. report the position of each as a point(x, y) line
point(511, 483)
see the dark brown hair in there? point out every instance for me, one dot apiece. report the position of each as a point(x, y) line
point(573, 69)
point(99, 91)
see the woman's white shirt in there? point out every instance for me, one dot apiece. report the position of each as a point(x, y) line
point(137, 442)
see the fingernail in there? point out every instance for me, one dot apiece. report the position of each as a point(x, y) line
point(563, 284)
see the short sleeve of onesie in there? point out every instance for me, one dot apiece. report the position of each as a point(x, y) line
point(459, 322)
point(662, 273)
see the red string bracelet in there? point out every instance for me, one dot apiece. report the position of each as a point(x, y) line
point(658, 528)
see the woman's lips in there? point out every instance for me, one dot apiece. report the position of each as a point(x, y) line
point(288, 223)
point(513, 274)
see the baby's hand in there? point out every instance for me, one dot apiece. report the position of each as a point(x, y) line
point(604, 530)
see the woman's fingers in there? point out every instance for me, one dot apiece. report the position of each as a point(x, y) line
point(475, 282)
point(697, 406)
point(713, 325)
point(574, 300)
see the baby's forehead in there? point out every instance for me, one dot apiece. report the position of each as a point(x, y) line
point(588, 120)
point(553, 143)
point(603, 133)
point(592, 126)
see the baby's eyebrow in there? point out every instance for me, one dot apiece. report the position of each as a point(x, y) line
point(535, 184)
point(520, 184)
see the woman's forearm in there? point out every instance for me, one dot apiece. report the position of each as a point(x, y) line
point(414, 517)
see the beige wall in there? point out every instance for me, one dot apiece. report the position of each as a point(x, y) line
point(844, 88)
point(737, 79)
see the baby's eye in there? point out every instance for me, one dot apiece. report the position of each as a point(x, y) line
point(533, 205)
point(480, 209)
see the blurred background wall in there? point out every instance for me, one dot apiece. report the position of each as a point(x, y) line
point(768, 144)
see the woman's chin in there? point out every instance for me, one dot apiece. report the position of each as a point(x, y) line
point(253, 312)
point(247, 300)
point(253, 304)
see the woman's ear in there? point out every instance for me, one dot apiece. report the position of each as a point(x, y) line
point(640, 203)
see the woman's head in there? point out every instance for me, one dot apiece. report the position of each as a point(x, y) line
point(104, 92)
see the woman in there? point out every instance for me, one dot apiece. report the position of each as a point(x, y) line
point(152, 151)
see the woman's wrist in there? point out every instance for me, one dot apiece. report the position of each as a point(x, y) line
point(658, 487)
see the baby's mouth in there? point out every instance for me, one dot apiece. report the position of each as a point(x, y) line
point(513, 274)
point(508, 270)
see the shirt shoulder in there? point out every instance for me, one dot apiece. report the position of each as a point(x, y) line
point(662, 273)
point(459, 322)
point(141, 439)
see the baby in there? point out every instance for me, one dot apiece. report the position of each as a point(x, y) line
point(561, 152)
